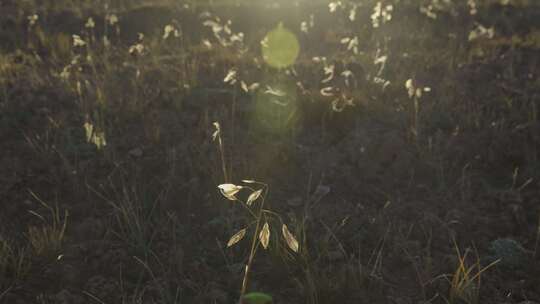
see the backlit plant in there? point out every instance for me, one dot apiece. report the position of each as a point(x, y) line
point(259, 218)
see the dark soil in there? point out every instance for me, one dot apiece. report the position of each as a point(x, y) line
point(383, 201)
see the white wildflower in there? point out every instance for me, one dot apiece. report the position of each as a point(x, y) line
point(137, 49)
point(352, 44)
point(90, 24)
point(327, 91)
point(167, 31)
point(217, 132)
point(472, 7)
point(381, 81)
point(264, 42)
point(332, 6)
point(77, 41)
point(112, 19)
point(32, 19)
point(231, 77)
point(207, 43)
point(216, 27)
point(329, 71)
point(381, 14)
point(254, 86)
point(347, 74)
point(481, 32)
point(304, 27)
point(65, 74)
point(227, 27)
point(410, 87)
point(352, 13)
point(238, 37)
point(428, 11)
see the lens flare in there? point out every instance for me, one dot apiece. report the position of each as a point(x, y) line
point(276, 107)
point(280, 47)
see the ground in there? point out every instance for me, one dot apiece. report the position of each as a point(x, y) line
point(405, 163)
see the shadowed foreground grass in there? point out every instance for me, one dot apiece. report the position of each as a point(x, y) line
point(399, 140)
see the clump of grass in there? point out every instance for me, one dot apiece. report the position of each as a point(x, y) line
point(47, 239)
point(14, 265)
point(466, 280)
point(134, 214)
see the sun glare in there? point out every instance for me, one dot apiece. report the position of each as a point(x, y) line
point(280, 47)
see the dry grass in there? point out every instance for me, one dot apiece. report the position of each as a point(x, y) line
point(466, 280)
point(46, 239)
point(116, 89)
point(14, 265)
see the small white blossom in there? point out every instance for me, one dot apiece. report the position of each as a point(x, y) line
point(352, 13)
point(217, 132)
point(304, 27)
point(381, 81)
point(254, 86)
point(410, 87)
point(327, 91)
point(207, 43)
point(112, 19)
point(249, 88)
point(231, 77)
point(32, 19)
point(77, 41)
point(216, 27)
point(329, 71)
point(239, 37)
point(332, 6)
point(381, 14)
point(428, 11)
point(413, 90)
point(168, 30)
point(352, 44)
point(90, 24)
point(472, 7)
point(65, 74)
point(137, 49)
point(227, 27)
point(264, 42)
point(380, 60)
point(347, 74)
point(481, 32)
point(75, 59)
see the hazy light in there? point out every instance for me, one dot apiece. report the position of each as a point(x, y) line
point(280, 47)
point(276, 109)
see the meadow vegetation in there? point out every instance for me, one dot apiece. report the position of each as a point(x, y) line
point(220, 151)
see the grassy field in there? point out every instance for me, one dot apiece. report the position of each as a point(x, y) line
point(254, 152)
